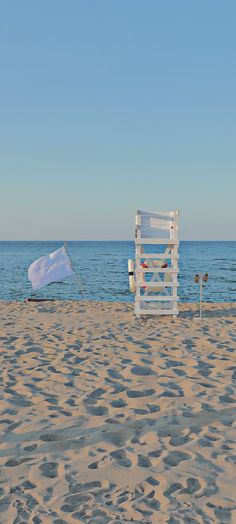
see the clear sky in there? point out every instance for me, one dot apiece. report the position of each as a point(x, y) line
point(108, 106)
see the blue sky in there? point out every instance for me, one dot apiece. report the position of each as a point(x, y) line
point(113, 105)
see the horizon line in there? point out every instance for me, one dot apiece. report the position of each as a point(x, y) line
point(109, 240)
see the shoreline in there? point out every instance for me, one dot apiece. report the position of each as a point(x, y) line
point(185, 308)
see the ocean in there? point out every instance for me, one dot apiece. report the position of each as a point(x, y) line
point(102, 270)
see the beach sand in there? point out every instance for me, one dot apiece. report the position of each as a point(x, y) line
point(110, 419)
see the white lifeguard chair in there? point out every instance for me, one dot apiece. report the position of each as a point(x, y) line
point(156, 263)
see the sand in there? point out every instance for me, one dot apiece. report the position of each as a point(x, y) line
point(110, 419)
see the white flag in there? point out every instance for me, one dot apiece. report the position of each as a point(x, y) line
point(50, 268)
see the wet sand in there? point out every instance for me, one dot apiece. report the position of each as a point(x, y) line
point(110, 419)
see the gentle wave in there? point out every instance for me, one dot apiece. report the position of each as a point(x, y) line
point(102, 268)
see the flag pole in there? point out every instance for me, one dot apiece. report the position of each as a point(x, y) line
point(78, 280)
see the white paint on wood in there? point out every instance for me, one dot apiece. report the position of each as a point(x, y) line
point(169, 298)
point(163, 241)
point(139, 311)
point(156, 284)
point(156, 270)
point(158, 256)
point(160, 280)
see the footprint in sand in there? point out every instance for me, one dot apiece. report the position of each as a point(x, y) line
point(132, 393)
point(115, 374)
point(175, 486)
point(97, 411)
point(73, 502)
point(153, 408)
point(152, 481)
point(48, 495)
point(49, 469)
point(179, 440)
point(142, 371)
point(119, 403)
point(94, 396)
point(223, 514)
point(102, 461)
point(155, 454)
point(144, 462)
point(11, 463)
point(175, 457)
point(50, 437)
point(193, 485)
point(121, 458)
point(28, 485)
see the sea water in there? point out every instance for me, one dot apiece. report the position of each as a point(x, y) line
point(101, 267)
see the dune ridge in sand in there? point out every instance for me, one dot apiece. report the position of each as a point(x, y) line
point(110, 419)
